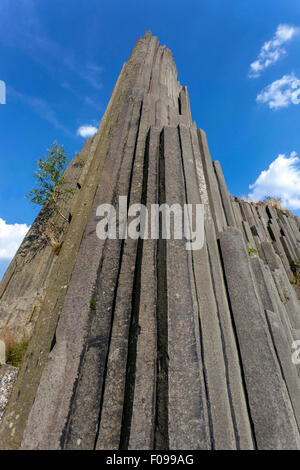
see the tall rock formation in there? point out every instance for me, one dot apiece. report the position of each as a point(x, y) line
point(142, 344)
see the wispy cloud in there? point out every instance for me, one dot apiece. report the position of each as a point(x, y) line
point(11, 236)
point(86, 131)
point(92, 103)
point(89, 72)
point(273, 50)
point(21, 28)
point(85, 99)
point(281, 93)
point(281, 179)
point(92, 73)
point(40, 107)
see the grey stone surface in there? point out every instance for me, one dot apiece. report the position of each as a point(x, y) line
point(233, 373)
point(187, 407)
point(275, 233)
point(247, 213)
point(47, 423)
point(114, 398)
point(284, 353)
point(273, 294)
point(287, 295)
point(270, 256)
point(288, 249)
point(248, 234)
point(212, 184)
point(263, 289)
point(199, 167)
point(224, 195)
point(237, 212)
point(270, 408)
point(142, 429)
point(214, 365)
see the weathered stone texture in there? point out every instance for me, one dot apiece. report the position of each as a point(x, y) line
point(8, 376)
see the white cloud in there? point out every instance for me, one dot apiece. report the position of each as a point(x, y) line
point(281, 93)
point(86, 131)
point(272, 50)
point(281, 179)
point(11, 236)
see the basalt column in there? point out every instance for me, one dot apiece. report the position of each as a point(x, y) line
point(140, 343)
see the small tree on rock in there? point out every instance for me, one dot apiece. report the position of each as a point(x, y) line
point(52, 188)
point(273, 200)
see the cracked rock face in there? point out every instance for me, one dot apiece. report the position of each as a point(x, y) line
point(142, 344)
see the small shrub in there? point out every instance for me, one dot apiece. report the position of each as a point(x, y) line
point(276, 202)
point(252, 252)
point(80, 161)
point(295, 281)
point(52, 236)
point(286, 296)
point(15, 349)
point(14, 356)
point(93, 304)
point(56, 248)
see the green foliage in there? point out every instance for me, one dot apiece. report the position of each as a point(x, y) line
point(15, 354)
point(56, 248)
point(252, 251)
point(295, 281)
point(93, 304)
point(52, 188)
point(276, 202)
point(286, 295)
point(79, 160)
point(295, 266)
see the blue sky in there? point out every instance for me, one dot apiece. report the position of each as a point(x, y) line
point(60, 60)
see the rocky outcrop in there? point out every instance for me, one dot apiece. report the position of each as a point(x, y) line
point(141, 343)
